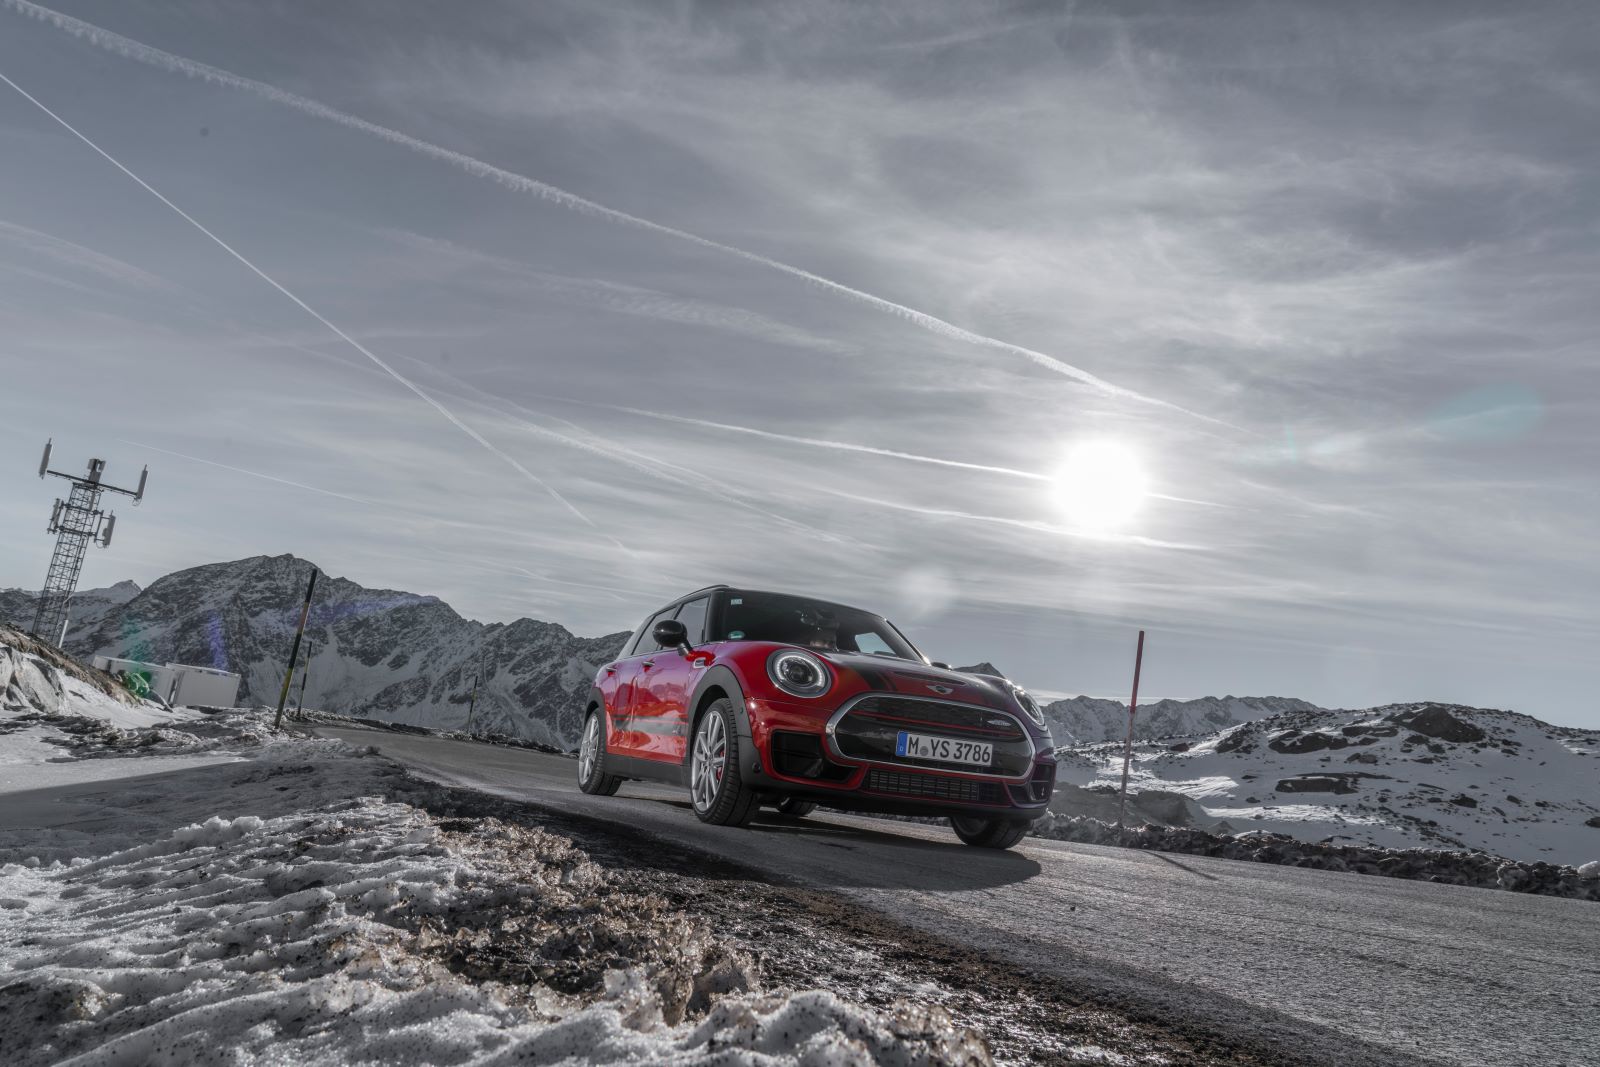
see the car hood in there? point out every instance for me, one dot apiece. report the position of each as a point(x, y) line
point(918, 679)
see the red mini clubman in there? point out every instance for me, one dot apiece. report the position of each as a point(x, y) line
point(751, 698)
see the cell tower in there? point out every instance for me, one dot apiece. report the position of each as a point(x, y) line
point(75, 522)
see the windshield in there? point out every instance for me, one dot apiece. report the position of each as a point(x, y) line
point(815, 624)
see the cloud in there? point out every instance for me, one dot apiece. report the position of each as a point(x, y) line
point(521, 183)
point(478, 438)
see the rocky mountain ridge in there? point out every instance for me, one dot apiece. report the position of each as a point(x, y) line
point(87, 608)
point(1086, 720)
point(380, 653)
point(1398, 776)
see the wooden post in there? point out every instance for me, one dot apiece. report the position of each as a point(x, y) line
point(477, 680)
point(1127, 750)
point(294, 650)
point(300, 704)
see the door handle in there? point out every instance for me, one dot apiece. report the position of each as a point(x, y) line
point(649, 663)
point(611, 668)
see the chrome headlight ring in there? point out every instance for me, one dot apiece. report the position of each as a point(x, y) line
point(1029, 705)
point(799, 673)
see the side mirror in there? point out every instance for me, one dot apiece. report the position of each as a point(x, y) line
point(670, 633)
point(942, 666)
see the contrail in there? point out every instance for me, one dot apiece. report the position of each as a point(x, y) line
point(155, 57)
point(646, 465)
point(253, 474)
point(847, 446)
point(1001, 520)
point(819, 442)
point(307, 308)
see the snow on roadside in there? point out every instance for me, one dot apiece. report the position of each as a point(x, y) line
point(295, 904)
point(313, 937)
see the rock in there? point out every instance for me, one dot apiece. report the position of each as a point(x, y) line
point(1461, 800)
point(1363, 757)
point(1293, 742)
point(1238, 740)
point(1318, 783)
point(1593, 820)
point(1435, 721)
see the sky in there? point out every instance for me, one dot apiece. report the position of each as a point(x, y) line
point(562, 309)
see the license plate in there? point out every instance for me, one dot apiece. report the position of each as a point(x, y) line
point(944, 749)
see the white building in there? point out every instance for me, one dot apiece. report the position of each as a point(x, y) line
point(180, 685)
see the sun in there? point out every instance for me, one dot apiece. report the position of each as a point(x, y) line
point(1101, 486)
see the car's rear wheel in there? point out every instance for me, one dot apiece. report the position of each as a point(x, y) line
point(592, 776)
point(717, 788)
point(795, 807)
point(989, 833)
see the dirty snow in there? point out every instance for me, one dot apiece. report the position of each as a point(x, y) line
point(253, 900)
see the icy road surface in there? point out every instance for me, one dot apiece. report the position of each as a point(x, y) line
point(1322, 962)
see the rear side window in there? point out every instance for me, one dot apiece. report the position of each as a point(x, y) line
point(693, 617)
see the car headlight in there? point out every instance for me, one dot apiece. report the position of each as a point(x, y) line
point(799, 673)
point(1029, 705)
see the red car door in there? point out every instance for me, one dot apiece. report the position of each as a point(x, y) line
point(661, 693)
point(619, 685)
point(616, 684)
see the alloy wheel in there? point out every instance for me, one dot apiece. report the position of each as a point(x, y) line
point(589, 749)
point(710, 761)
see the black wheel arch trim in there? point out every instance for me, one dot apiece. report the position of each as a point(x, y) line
point(720, 676)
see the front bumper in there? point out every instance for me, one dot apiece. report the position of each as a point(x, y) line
point(801, 750)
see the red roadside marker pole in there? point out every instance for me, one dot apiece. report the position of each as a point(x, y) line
point(1127, 750)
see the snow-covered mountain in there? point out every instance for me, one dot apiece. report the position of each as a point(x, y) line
point(1091, 719)
point(87, 608)
point(1436, 775)
point(379, 653)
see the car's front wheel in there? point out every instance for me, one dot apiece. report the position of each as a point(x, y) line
point(716, 785)
point(592, 776)
point(989, 833)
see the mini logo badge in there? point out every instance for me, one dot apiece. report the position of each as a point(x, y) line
point(942, 690)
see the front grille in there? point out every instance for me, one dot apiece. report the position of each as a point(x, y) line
point(933, 787)
point(870, 729)
point(962, 720)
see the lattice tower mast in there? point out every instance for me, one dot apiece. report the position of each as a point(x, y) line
point(76, 522)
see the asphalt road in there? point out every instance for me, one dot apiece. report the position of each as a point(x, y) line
point(1356, 968)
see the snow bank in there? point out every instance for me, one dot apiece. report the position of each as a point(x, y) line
point(295, 903)
point(350, 935)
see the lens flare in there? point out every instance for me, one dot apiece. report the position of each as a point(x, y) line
point(1101, 486)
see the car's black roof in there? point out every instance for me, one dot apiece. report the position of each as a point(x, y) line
point(763, 592)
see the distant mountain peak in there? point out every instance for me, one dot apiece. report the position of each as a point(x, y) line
point(381, 653)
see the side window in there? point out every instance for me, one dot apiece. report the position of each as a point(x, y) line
point(646, 643)
point(693, 617)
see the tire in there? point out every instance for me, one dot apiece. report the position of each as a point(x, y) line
point(592, 776)
point(989, 833)
point(796, 808)
point(717, 790)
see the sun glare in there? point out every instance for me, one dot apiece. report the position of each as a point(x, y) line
point(1101, 486)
